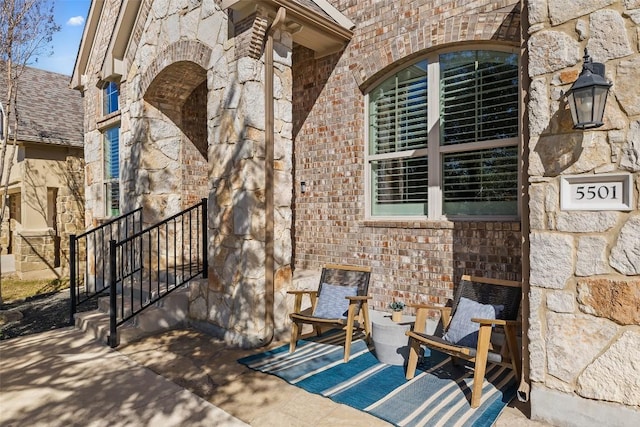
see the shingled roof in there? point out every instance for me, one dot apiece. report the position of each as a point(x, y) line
point(50, 111)
point(310, 4)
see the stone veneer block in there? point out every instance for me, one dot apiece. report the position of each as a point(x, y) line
point(586, 222)
point(608, 37)
point(625, 256)
point(538, 11)
point(564, 10)
point(614, 375)
point(591, 257)
point(573, 341)
point(632, 4)
point(631, 148)
point(627, 77)
point(554, 154)
point(539, 110)
point(536, 206)
point(614, 299)
point(561, 302)
point(552, 51)
point(551, 260)
point(595, 152)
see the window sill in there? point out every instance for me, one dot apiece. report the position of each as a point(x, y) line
point(408, 223)
point(444, 224)
point(108, 120)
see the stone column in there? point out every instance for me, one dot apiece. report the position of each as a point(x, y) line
point(585, 265)
point(233, 302)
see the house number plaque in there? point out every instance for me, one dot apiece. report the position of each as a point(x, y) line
point(607, 192)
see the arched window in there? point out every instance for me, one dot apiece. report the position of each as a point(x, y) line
point(443, 137)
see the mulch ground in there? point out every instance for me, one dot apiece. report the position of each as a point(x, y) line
point(39, 314)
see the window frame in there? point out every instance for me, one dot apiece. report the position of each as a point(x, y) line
point(107, 181)
point(106, 97)
point(435, 151)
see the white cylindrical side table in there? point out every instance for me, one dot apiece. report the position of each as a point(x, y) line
point(389, 340)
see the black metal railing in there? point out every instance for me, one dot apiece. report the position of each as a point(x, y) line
point(88, 263)
point(152, 263)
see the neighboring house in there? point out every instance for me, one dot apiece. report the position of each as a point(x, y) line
point(426, 139)
point(46, 186)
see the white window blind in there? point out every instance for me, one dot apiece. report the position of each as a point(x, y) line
point(399, 138)
point(481, 182)
point(478, 96)
point(112, 170)
point(474, 165)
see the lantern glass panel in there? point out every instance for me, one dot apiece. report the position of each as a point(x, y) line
point(599, 101)
point(584, 104)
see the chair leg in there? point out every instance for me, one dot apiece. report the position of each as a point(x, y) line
point(347, 344)
point(514, 350)
point(414, 354)
point(295, 334)
point(484, 335)
point(366, 321)
point(349, 331)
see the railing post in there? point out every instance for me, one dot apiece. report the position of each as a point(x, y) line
point(113, 312)
point(205, 241)
point(73, 267)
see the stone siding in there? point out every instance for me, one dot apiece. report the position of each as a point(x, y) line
point(584, 278)
point(192, 120)
point(416, 261)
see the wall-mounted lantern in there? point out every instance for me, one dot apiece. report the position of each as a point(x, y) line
point(588, 95)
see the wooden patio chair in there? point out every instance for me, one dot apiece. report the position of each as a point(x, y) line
point(340, 301)
point(479, 305)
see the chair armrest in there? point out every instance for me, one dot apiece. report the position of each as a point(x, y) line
point(424, 306)
point(500, 322)
point(421, 314)
point(358, 298)
point(297, 303)
point(302, 292)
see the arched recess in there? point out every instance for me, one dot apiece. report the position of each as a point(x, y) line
point(177, 148)
point(180, 93)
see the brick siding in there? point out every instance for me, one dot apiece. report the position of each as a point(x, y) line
point(411, 260)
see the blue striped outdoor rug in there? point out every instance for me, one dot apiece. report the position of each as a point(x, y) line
point(439, 395)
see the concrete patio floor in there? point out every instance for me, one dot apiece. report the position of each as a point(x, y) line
point(206, 367)
point(64, 378)
point(176, 378)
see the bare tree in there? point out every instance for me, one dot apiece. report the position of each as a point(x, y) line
point(26, 31)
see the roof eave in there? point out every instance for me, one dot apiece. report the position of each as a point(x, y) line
point(86, 44)
point(314, 31)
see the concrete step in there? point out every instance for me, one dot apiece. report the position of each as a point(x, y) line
point(168, 313)
point(96, 325)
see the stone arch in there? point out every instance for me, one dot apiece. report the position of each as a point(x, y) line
point(183, 50)
point(174, 90)
point(180, 92)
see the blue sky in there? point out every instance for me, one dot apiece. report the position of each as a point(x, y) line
point(70, 15)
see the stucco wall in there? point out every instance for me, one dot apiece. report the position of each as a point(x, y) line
point(40, 240)
point(585, 265)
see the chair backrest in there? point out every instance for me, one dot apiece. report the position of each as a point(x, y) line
point(346, 275)
point(491, 291)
